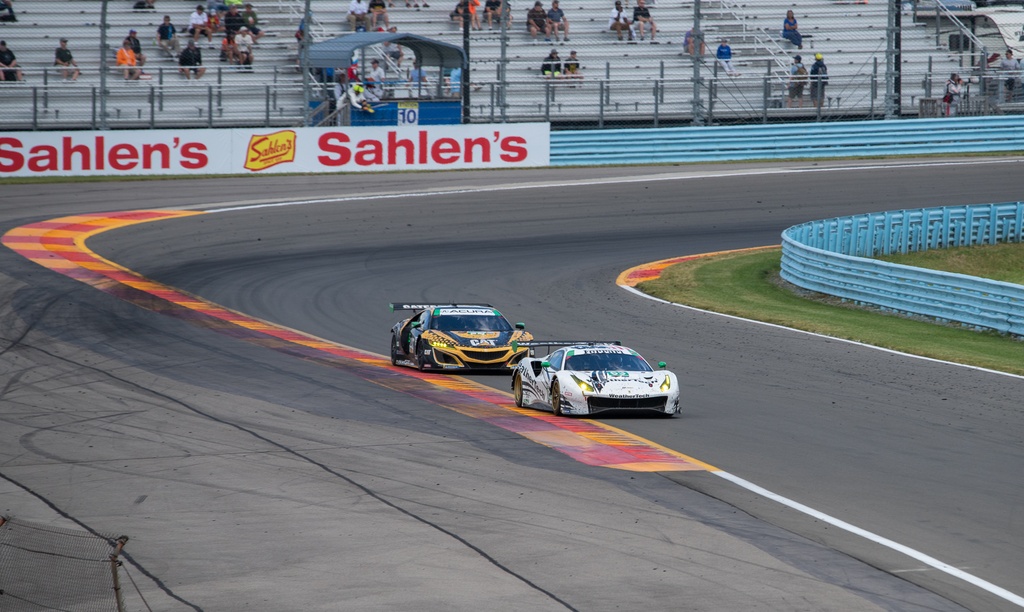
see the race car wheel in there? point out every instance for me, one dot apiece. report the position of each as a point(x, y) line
point(517, 389)
point(421, 356)
point(556, 399)
point(394, 350)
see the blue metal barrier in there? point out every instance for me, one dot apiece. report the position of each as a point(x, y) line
point(831, 256)
point(788, 141)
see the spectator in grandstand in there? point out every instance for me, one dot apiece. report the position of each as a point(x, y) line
point(216, 23)
point(537, 21)
point(571, 67)
point(395, 52)
point(140, 57)
point(453, 82)
point(418, 76)
point(797, 81)
point(252, 21)
point(66, 61)
point(952, 97)
point(375, 79)
point(145, 5)
point(229, 49)
point(790, 31)
point(690, 42)
point(551, 68)
point(216, 8)
point(244, 41)
point(199, 23)
point(619, 22)
point(233, 20)
point(7, 5)
point(128, 62)
point(1010, 68)
point(357, 12)
point(9, 69)
point(642, 17)
point(466, 8)
point(167, 37)
point(352, 72)
point(819, 79)
point(379, 12)
point(493, 10)
point(724, 55)
point(557, 21)
point(191, 61)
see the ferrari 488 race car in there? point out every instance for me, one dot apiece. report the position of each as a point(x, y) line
point(456, 336)
point(590, 377)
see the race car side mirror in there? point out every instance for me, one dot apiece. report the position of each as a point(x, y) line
point(520, 325)
point(415, 324)
point(662, 365)
point(545, 364)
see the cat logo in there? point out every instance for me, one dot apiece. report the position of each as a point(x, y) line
point(269, 150)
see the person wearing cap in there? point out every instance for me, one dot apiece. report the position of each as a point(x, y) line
point(724, 55)
point(199, 23)
point(571, 67)
point(537, 21)
point(551, 68)
point(252, 21)
point(819, 78)
point(557, 21)
point(66, 61)
point(9, 70)
point(127, 61)
point(191, 61)
point(140, 57)
point(244, 42)
point(167, 37)
point(797, 81)
point(619, 21)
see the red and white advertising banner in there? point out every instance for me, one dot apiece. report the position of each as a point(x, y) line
point(243, 151)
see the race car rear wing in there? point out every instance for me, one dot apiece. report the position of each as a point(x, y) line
point(532, 344)
point(409, 306)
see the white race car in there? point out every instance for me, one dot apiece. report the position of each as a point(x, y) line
point(584, 378)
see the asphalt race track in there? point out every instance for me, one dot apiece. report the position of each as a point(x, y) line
point(248, 478)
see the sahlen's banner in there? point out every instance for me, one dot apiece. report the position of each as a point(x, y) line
point(257, 151)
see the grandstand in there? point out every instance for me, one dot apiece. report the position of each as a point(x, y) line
point(624, 84)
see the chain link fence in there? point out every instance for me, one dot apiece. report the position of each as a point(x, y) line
point(50, 568)
point(885, 59)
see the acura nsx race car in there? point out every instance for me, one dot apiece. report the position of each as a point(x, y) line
point(456, 336)
point(584, 378)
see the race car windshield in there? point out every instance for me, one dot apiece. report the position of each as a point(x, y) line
point(623, 362)
point(470, 323)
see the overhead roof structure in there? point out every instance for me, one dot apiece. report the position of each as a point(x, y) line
point(338, 52)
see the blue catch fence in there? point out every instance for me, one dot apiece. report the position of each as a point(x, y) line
point(831, 256)
point(789, 141)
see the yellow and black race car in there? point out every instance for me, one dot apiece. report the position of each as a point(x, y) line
point(456, 337)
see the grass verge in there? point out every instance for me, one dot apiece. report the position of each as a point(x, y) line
point(747, 284)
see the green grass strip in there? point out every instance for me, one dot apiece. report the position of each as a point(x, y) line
point(748, 285)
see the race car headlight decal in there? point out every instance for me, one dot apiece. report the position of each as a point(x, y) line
point(665, 386)
point(440, 344)
point(583, 385)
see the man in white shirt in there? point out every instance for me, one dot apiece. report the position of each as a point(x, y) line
point(244, 41)
point(357, 10)
point(375, 80)
point(199, 23)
